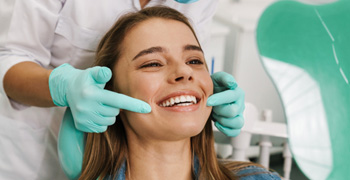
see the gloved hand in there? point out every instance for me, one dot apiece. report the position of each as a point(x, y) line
point(186, 1)
point(93, 107)
point(228, 102)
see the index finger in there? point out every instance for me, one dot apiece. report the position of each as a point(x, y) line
point(223, 79)
point(122, 101)
point(226, 97)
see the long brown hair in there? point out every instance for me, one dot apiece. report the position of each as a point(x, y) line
point(106, 152)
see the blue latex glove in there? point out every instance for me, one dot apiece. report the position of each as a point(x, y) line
point(228, 102)
point(93, 107)
point(186, 1)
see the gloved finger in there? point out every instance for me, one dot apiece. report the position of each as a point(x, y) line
point(100, 125)
point(232, 123)
point(107, 111)
point(101, 74)
point(229, 110)
point(122, 101)
point(225, 97)
point(99, 129)
point(218, 89)
point(92, 122)
point(90, 127)
point(102, 121)
point(223, 79)
point(227, 131)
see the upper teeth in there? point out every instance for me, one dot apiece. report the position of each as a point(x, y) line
point(183, 100)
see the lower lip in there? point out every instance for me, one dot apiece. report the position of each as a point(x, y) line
point(189, 108)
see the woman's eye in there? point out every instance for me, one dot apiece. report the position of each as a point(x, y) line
point(195, 61)
point(153, 64)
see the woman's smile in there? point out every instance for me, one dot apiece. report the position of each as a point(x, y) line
point(181, 101)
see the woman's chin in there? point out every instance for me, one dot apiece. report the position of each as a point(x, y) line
point(185, 130)
point(168, 126)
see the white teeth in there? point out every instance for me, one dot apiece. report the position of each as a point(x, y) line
point(183, 100)
point(184, 104)
point(194, 99)
point(188, 98)
point(167, 103)
point(177, 100)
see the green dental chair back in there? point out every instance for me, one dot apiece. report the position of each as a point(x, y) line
point(305, 49)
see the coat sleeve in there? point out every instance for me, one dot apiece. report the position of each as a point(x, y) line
point(204, 20)
point(26, 32)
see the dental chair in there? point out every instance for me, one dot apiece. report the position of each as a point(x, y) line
point(305, 49)
point(243, 147)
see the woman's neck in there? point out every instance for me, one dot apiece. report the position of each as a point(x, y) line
point(159, 160)
point(143, 3)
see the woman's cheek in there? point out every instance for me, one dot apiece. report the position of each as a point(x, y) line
point(144, 86)
point(207, 83)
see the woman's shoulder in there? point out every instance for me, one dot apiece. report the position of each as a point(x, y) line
point(256, 173)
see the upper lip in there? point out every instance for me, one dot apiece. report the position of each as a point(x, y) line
point(179, 93)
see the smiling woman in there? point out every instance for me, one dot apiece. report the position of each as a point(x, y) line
point(155, 56)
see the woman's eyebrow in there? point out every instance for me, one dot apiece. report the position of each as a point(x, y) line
point(149, 51)
point(159, 49)
point(190, 47)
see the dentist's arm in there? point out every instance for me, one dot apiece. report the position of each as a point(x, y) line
point(93, 107)
point(228, 102)
point(27, 83)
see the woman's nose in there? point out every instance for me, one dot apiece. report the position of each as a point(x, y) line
point(181, 73)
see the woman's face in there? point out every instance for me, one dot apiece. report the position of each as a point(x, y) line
point(162, 64)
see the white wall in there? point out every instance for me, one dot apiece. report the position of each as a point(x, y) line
point(242, 57)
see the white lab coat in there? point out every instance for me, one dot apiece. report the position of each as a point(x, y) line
point(50, 33)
